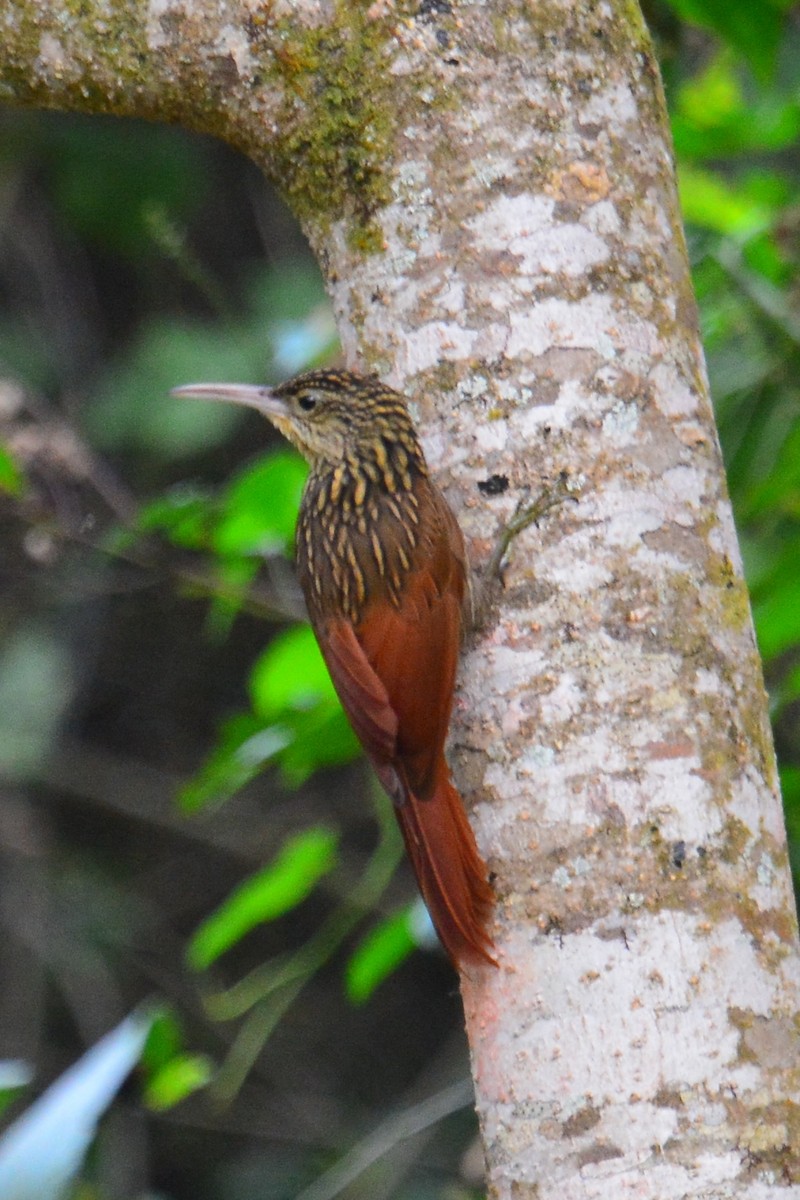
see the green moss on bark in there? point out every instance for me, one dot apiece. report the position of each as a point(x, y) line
point(336, 128)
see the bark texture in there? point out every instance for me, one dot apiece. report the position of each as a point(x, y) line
point(489, 189)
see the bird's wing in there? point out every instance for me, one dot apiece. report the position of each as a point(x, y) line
point(363, 695)
point(413, 650)
point(395, 670)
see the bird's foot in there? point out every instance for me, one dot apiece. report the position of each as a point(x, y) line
point(526, 513)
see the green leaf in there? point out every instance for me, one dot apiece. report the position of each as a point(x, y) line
point(177, 1079)
point(763, 256)
point(713, 117)
point(163, 1040)
point(12, 481)
point(323, 737)
point(259, 506)
point(779, 492)
point(15, 1076)
point(183, 515)
point(380, 953)
point(300, 864)
point(245, 746)
point(171, 1073)
point(776, 605)
point(300, 744)
point(790, 787)
point(290, 675)
point(710, 98)
point(233, 579)
point(290, 686)
point(751, 27)
point(710, 202)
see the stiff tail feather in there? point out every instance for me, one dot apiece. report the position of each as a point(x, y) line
point(450, 872)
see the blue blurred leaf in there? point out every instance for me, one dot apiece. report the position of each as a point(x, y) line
point(42, 1152)
point(299, 344)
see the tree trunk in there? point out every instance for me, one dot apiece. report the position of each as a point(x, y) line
point(490, 192)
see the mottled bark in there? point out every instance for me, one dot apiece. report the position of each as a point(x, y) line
point(490, 192)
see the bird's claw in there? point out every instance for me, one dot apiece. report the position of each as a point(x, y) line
point(526, 513)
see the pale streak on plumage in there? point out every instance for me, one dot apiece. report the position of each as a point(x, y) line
point(394, 510)
point(358, 574)
point(375, 542)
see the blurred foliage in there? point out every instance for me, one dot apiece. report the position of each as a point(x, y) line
point(736, 137)
point(14, 1078)
point(752, 30)
point(380, 953)
point(151, 623)
point(268, 894)
point(12, 480)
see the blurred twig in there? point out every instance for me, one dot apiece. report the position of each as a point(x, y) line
point(396, 1128)
point(769, 300)
point(172, 241)
point(269, 991)
point(138, 792)
point(49, 447)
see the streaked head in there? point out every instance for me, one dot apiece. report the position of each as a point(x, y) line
point(328, 415)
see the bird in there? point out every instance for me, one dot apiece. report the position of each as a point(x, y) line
point(382, 565)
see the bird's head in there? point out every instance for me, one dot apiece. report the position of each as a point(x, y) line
point(330, 416)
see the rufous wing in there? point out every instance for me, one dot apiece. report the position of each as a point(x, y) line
point(394, 675)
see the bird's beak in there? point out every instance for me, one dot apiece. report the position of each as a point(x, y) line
point(262, 399)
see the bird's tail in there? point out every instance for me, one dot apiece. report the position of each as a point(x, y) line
point(450, 872)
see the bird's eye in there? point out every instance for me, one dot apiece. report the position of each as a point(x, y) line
point(307, 403)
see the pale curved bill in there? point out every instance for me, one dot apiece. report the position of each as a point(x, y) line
point(262, 399)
